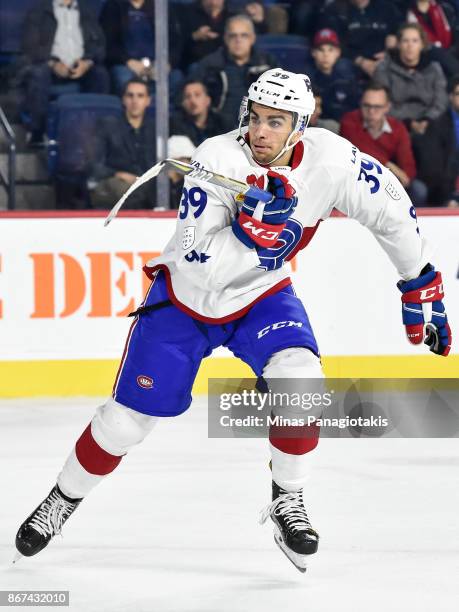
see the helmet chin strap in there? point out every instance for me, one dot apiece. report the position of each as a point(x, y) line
point(287, 146)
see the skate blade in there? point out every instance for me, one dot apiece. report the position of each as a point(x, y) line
point(17, 557)
point(299, 561)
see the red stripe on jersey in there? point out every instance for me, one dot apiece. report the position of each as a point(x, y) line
point(92, 457)
point(306, 237)
point(218, 320)
point(298, 152)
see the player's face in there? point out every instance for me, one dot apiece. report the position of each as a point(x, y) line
point(239, 39)
point(195, 99)
point(326, 56)
point(374, 106)
point(269, 129)
point(136, 100)
point(410, 46)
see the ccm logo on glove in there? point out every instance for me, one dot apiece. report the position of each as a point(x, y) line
point(428, 295)
point(261, 233)
point(434, 291)
point(423, 311)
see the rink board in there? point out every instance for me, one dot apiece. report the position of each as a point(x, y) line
point(67, 284)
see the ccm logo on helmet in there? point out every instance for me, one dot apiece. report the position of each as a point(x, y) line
point(268, 92)
point(278, 325)
point(145, 382)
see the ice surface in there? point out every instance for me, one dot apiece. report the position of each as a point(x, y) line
point(174, 529)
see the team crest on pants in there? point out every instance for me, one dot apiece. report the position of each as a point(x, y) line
point(145, 382)
point(188, 237)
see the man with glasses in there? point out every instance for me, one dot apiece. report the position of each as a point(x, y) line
point(234, 67)
point(373, 131)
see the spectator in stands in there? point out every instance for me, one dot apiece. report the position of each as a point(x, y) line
point(416, 84)
point(439, 162)
point(373, 131)
point(267, 17)
point(129, 27)
point(276, 18)
point(437, 20)
point(126, 148)
point(181, 148)
point(195, 119)
point(334, 77)
point(203, 23)
point(256, 10)
point(316, 118)
point(304, 16)
point(367, 27)
point(62, 43)
point(432, 18)
point(229, 71)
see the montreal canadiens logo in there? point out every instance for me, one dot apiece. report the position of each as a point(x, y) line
point(145, 382)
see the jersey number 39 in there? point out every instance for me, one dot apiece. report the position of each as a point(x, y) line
point(196, 198)
point(368, 172)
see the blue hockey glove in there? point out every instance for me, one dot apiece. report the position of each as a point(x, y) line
point(423, 311)
point(266, 232)
point(284, 203)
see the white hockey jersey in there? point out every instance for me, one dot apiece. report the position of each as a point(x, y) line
point(216, 278)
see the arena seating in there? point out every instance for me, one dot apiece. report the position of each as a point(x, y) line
point(11, 22)
point(72, 121)
point(291, 51)
point(13, 13)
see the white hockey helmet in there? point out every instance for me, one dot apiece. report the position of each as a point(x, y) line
point(288, 91)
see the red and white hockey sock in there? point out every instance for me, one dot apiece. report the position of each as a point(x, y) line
point(86, 466)
point(112, 432)
point(291, 457)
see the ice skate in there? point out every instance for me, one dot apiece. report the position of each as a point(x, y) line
point(292, 532)
point(45, 522)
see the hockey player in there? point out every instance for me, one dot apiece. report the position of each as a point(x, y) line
point(222, 279)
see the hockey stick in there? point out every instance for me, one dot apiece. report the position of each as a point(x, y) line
point(200, 174)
